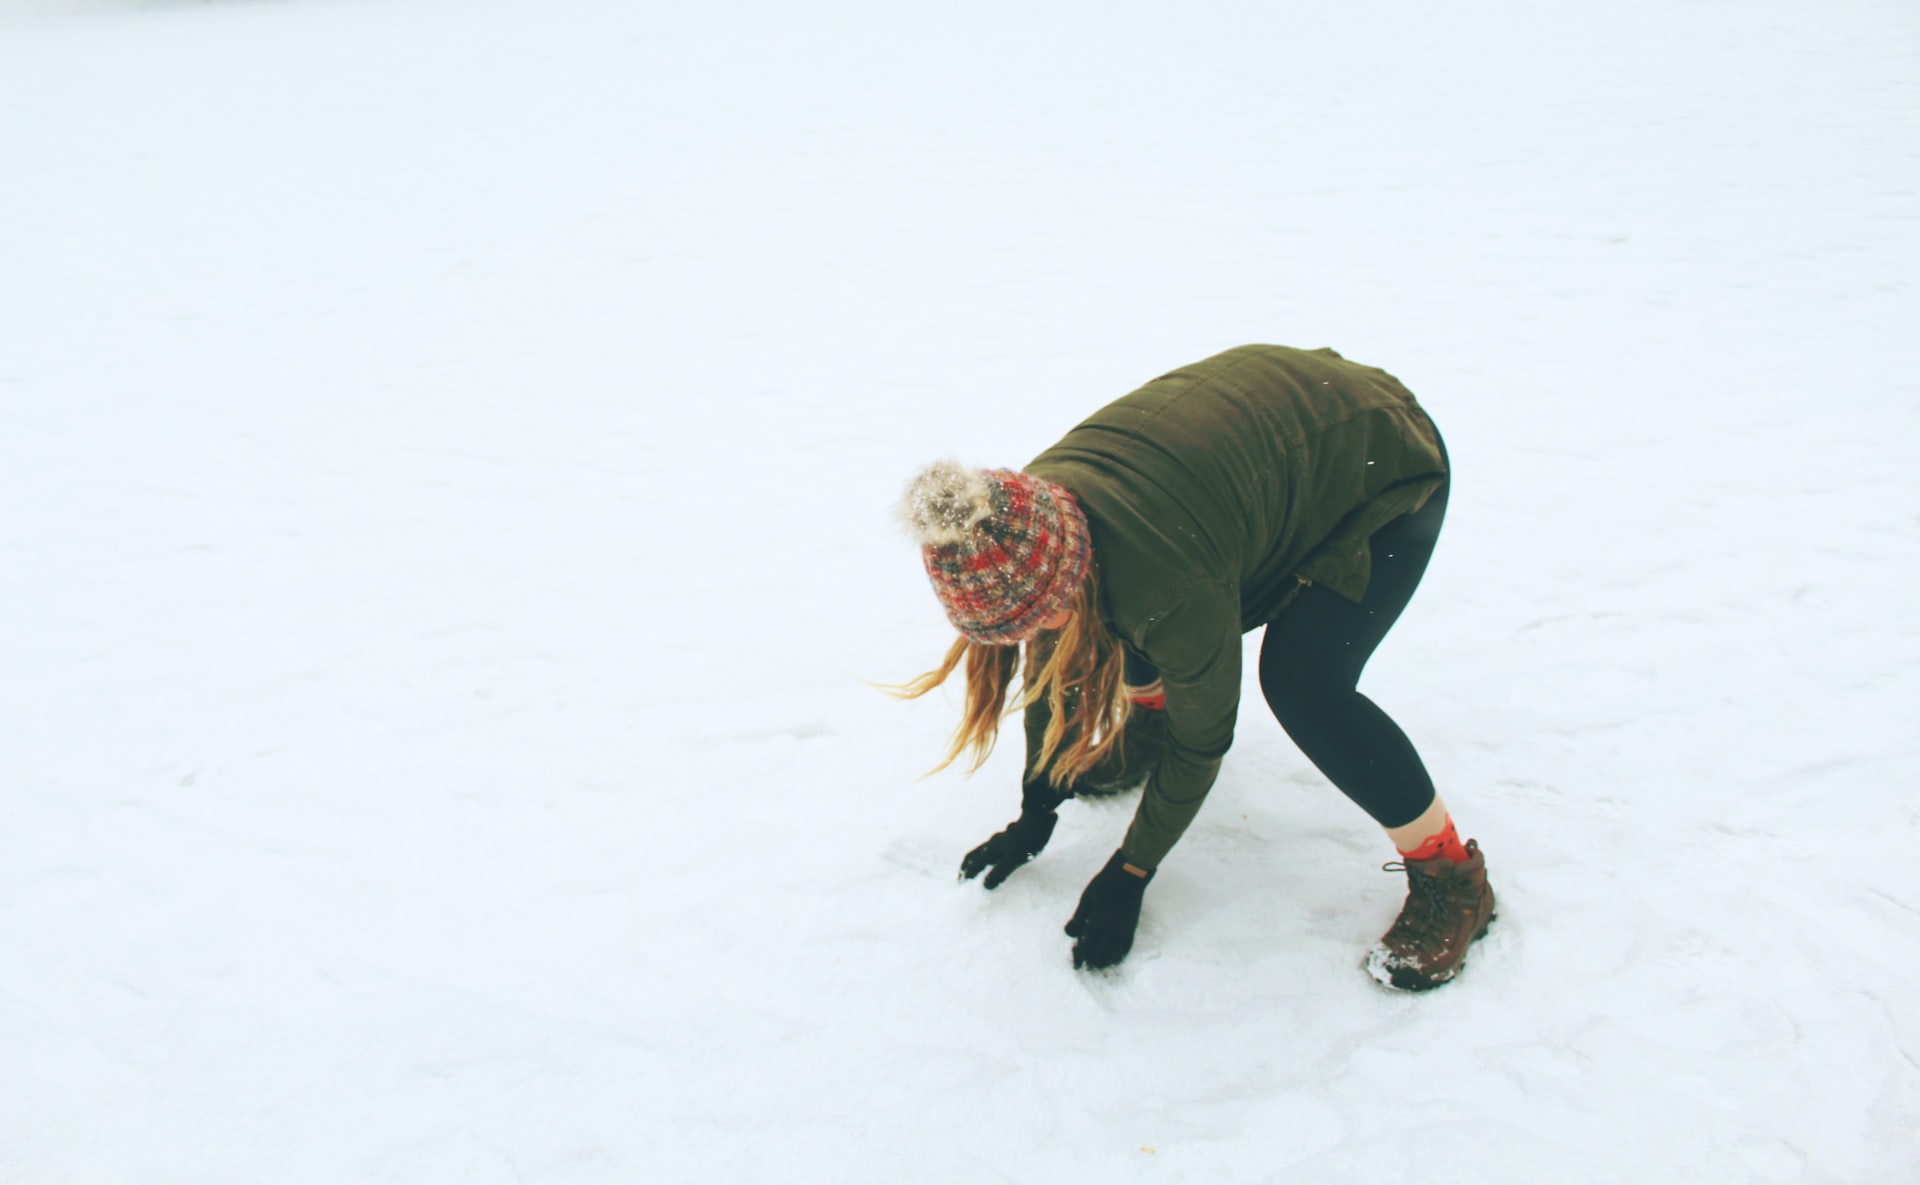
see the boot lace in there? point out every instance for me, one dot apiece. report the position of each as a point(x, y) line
point(1420, 918)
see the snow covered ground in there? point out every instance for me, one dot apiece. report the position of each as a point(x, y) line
point(447, 451)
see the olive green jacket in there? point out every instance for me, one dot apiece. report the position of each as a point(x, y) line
point(1212, 495)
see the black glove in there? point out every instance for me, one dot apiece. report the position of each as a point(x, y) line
point(1022, 840)
point(1109, 910)
point(1009, 849)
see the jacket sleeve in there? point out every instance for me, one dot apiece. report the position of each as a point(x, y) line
point(1196, 645)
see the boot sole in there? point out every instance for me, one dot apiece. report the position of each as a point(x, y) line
point(1109, 789)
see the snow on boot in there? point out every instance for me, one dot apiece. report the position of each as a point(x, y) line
point(1449, 905)
point(1128, 763)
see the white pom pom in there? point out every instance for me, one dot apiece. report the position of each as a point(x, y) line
point(944, 503)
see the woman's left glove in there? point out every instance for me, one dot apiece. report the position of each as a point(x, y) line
point(1009, 849)
point(1109, 911)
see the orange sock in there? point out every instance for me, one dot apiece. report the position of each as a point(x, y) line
point(1152, 697)
point(1445, 842)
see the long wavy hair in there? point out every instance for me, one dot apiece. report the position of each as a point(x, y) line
point(1076, 671)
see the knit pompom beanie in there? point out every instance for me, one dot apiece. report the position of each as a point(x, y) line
point(1005, 550)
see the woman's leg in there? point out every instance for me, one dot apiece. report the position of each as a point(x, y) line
point(1310, 665)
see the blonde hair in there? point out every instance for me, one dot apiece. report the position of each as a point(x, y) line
point(1076, 671)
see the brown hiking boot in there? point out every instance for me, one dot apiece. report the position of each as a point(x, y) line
point(1130, 761)
point(1448, 906)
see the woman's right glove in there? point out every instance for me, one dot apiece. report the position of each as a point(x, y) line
point(1022, 839)
point(1109, 910)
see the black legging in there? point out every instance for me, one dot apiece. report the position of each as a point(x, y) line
point(1310, 664)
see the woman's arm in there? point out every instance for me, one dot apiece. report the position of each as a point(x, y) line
point(1196, 645)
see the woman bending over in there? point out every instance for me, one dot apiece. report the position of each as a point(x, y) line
point(1266, 488)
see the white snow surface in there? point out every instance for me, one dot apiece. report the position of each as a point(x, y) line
point(447, 452)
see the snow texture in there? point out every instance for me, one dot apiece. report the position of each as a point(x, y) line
point(449, 452)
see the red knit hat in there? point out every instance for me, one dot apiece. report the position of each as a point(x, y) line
point(1005, 550)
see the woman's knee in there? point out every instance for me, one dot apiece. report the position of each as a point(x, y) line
point(1303, 705)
